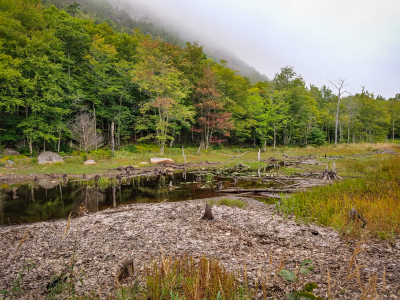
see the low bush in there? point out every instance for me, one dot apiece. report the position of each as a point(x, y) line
point(147, 148)
point(100, 154)
point(130, 148)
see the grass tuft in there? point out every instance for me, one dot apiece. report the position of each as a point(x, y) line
point(229, 202)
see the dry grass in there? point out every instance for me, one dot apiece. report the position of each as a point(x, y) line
point(375, 196)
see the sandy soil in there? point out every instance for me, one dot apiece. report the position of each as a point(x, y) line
point(236, 236)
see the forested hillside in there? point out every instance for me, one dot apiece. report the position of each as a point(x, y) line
point(67, 81)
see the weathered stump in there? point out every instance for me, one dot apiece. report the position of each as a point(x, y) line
point(355, 216)
point(126, 269)
point(330, 174)
point(208, 213)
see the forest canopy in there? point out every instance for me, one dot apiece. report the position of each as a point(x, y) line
point(61, 70)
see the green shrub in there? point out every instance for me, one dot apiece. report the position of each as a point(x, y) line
point(24, 150)
point(316, 137)
point(130, 148)
point(81, 154)
point(147, 148)
point(100, 154)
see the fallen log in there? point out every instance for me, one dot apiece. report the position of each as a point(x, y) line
point(239, 191)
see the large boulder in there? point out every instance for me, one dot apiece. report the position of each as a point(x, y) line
point(89, 162)
point(48, 157)
point(9, 152)
point(161, 160)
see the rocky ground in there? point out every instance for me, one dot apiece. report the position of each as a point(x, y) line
point(254, 236)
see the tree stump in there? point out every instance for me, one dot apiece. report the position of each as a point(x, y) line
point(208, 213)
point(355, 216)
point(330, 174)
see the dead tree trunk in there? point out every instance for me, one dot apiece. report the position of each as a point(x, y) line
point(112, 138)
point(339, 85)
point(208, 213)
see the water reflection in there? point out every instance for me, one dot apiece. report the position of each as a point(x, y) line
point(47, 199)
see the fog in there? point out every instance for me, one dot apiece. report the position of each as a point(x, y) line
point(356, 40)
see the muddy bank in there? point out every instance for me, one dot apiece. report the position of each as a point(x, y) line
point(99, 242)
point(9, 177)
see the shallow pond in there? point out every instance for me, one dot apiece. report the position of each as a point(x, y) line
point(50, 200)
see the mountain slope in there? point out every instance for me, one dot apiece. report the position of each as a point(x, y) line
point(127, 17)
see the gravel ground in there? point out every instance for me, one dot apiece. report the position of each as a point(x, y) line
point(253, 236)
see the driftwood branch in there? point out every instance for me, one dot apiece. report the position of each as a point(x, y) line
point(239, 191)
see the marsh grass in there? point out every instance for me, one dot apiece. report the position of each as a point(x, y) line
point(375, 196)
point(229, 202)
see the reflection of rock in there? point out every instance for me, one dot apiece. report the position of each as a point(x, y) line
point(48, 184)
point(8, 152)
point(161, 160)
point(49, 158)
point(89, 162)
point(168, 170)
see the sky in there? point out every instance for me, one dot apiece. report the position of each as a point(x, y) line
point(357, 40)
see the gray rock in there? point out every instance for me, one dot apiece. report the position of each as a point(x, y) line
point(9, 151)
point(10, 162)
point(89, 162)
point(49, 158)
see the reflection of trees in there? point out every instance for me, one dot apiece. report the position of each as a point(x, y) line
point(91, 197)
point(3, 196)
point(151, 194)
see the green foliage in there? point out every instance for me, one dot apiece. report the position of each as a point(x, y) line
point(89, 59)
point(100, 154)
point(229, 202)
point(316, 137)
point(146, 148)
point(307, 291)
point(130, 148)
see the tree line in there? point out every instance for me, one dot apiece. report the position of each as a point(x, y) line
point(67, 82)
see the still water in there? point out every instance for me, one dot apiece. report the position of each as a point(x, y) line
point(51, 200)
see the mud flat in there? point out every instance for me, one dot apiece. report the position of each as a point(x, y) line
point(253, 236)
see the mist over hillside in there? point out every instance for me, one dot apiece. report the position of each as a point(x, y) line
point(126, 15)
point(214, 49)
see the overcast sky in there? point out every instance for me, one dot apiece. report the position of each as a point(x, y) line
point(358, 40)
